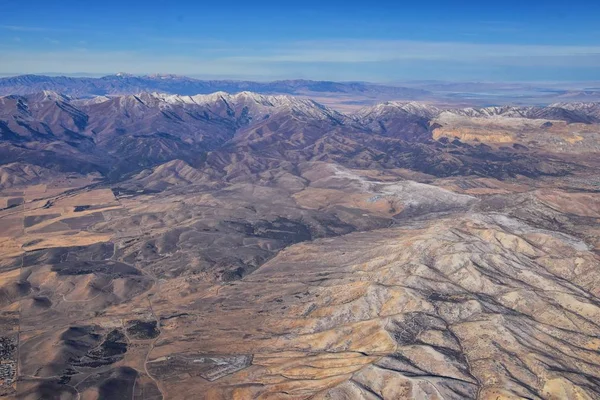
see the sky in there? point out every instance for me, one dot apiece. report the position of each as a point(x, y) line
point(378, 41)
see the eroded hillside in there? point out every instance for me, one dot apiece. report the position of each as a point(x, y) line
point(249, 246)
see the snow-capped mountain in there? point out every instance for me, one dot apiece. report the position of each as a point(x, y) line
point(399, 119)
point(418, 109)
point(591, 109)
point(117, 135)
point(123, 83)
point(398, 111)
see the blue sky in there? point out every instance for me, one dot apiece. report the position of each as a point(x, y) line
point(373, 41)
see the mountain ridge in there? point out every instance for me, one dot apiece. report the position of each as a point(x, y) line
point(173, 84)
point(257, 245)
point(119, 135)
point(424, 109)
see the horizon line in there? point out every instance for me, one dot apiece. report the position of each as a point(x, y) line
point(4, 75)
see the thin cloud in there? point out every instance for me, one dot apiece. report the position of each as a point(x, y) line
point(78, 60)
point(186, 40)
point(500, 26)
point(379, 60)
point(383, 50)
point(21, 28)
point(51, 41)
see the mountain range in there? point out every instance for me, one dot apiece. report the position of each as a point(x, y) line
point(247, 245)
point(122, 83)
point(339, 95)
point(122, 134)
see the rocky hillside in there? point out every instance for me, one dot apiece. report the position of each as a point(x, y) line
point(241, 246)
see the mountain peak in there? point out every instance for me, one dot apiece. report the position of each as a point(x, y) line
point(589, 108)
point(390, 108)
point(255, 103)
point(47, 95)
point(166, 76)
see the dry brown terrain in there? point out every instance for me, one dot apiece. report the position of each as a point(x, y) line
point(306, 255)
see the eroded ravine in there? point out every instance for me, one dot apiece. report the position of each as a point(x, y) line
point(452, 308)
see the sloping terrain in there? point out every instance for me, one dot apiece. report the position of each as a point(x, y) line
point(344, 94)
point(340, 95)
point(249, 133)
point(249, 246)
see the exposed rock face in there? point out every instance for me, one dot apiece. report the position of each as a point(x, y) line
point(480, 306)
point(251, 246)
point(236, 136)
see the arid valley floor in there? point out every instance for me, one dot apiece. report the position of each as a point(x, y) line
point(250, 246)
